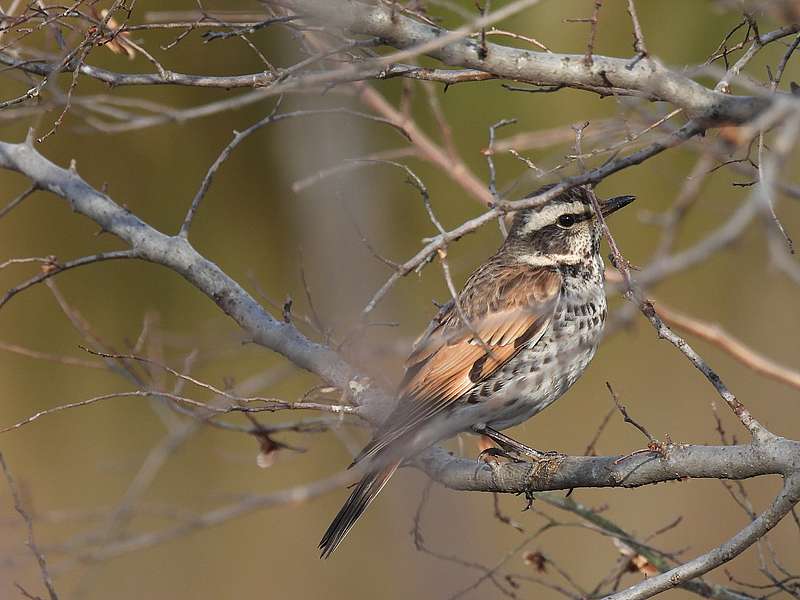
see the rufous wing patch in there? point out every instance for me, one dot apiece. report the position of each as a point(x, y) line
point(504, 311)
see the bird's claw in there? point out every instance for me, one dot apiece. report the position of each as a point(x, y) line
point(494, 452)
point(546, 462)
point(488, 453)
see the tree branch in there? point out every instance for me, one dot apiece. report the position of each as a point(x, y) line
point(783, 503)
point(674, 463)
point(677, 462)
point(40, 558)
point(649, 77)
point(177, 253)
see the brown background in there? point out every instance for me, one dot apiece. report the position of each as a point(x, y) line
point(79, 463)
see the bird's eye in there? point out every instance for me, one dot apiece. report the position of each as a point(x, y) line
point(566, 221)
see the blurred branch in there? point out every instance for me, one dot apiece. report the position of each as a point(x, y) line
point(440, 241)
point(714, 334)
point(782, 505)
point(648, 77)
point(293, 495)
point(178, 254)
point(16, 201)
point(672, 463)
point(40, 559)
point(271, 84)
point(479, 60)
point(57, 358)
point(164, 115)
point(266, 405)
point(653, 556)
point(53, 267)
point(240, 136)
point(425, 147)
point(331, 60)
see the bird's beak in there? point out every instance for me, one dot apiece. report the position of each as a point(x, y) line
point(612, 205)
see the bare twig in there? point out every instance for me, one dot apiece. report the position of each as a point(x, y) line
point(626, 417)
point(638, 38)
point(54, 268)
point(723, 340)
point(240, 136)
point(40, 558)
point(16, 201)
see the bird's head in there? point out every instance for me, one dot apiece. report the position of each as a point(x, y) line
point(564, 230)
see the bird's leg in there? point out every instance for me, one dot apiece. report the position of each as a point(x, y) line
point(511, 446)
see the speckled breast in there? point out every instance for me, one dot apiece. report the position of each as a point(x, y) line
point(540, 374)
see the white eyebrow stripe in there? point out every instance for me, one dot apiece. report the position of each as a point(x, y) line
point(551, 260)
point(548, 215)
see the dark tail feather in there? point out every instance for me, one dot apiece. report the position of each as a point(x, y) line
point(361, 497)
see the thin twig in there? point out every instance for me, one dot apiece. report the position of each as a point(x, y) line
point(52, 269)
point(638, 37)
point(719, 337)
point(633, 293)
point(40, 558)
point(240, 136)
point(626, 417)
point(17, 201)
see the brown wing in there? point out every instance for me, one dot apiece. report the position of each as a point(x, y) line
point(506, 308)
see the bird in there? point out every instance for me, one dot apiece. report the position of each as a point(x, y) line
point(519, 334)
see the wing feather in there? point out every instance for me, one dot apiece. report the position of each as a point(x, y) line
point(504, 310)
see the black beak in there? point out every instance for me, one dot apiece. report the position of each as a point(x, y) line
point(612, 205)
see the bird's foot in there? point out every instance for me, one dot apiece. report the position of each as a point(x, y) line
point(487, 454)
point(514, 450)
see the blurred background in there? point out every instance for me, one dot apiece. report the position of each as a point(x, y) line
point(74, 468)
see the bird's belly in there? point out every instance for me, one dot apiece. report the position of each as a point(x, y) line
point(528, 395)
point(539, 375)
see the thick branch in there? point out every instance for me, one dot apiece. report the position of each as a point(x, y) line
point(673, 462)
point(756, 529)
point(542, 68)
point(777, 456)
point(178, 254)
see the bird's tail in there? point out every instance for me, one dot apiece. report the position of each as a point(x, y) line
point(361, 497)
